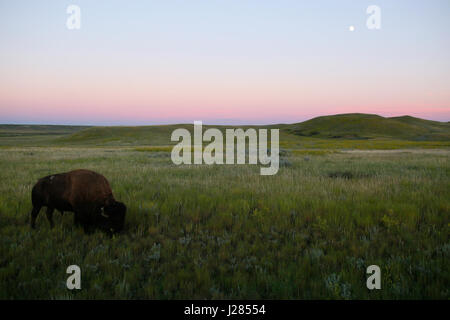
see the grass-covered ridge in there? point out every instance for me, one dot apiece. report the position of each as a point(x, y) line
point(345, 131)
point(368, 126)
point(336, 206)
point(14, 130)
point(32, 134)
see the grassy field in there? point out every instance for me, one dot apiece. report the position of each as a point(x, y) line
point(215, 232)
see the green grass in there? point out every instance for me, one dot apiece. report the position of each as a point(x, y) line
point(216, 232)
point(302, 143)
point(335, 207)
point(154, 149)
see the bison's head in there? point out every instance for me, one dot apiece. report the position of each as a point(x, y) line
point(114, 214)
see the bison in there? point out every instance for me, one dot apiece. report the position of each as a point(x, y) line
point(85, 193)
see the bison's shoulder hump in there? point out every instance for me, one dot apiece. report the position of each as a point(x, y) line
point(85, 173)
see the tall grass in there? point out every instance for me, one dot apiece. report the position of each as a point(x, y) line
point(217, 232)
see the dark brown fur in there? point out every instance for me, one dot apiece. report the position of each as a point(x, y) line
point(84, 192)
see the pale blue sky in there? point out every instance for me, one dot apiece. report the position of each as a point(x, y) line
point(238, 61)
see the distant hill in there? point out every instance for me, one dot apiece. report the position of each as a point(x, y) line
point(34, 134)
point(369, 126)
point(336, 127)
point(139, 135)
point(342, 126)
point(123, 135)
point(14, 130)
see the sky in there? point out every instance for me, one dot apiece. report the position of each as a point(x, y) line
point(221, 61)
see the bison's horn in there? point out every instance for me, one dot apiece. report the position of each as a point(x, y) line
point(103, 212)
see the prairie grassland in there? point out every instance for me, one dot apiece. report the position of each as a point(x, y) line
point(218, 232)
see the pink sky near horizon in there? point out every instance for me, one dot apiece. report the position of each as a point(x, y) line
point(122, 100)
point(256, 62)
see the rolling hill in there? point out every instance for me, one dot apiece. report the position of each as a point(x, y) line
point(16, 130)
point(333, 128)
point(369, 126)
point(139, 135)
point(34, 134)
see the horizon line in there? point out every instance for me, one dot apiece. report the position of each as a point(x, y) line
point(208, 122)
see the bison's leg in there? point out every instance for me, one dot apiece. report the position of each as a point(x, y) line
point(49, 213)
point(34, 214)
point(86, 223)
point(81, 218)
point(87, 228)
